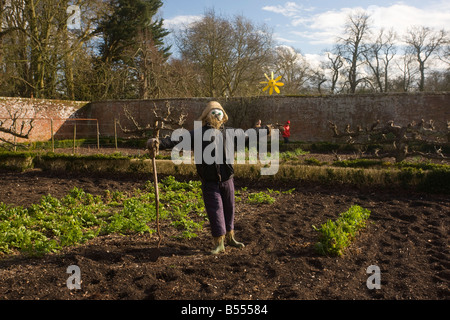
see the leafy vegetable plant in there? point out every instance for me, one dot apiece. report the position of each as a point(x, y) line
point(260, 198)
point(337, 235)
point(55, 223)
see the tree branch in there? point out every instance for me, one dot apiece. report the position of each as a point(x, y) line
point(163, 119)
point(398, 136)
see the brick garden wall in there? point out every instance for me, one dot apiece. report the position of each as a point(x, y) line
point(308, 115)
point(42, 111)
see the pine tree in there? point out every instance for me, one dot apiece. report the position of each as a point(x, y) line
point(129, 19)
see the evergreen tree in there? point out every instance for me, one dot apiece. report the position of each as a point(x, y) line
point(132, 50)
point(129, 19)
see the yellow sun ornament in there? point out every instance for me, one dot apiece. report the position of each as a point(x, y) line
point(272, 84)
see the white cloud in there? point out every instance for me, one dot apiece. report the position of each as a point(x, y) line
point(278, 38)
point(315, 60)
point(400, 17)
point(289, 9)
point(180, 21)
point(323, 28)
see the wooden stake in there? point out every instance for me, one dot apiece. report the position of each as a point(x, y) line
point(53, 136)
point(115, 132)
point(155, 177)
point(98, 136)
point(74, 136)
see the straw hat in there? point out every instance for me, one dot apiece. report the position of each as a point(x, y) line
point(210, 106)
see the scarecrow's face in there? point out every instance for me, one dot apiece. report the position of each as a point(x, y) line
point(215, 118)
point(216, 113)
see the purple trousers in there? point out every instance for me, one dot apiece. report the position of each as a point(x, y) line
point(219, 204)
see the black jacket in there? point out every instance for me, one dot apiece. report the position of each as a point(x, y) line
point(215, 172)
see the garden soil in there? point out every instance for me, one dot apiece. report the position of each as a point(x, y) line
point(406, 237)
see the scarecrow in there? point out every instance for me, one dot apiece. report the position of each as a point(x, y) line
point(217, 178)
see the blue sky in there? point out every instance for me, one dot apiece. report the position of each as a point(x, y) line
point(312, 26)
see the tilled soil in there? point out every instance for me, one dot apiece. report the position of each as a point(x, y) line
point(406, 237)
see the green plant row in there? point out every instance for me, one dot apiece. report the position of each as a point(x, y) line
point(66, 156)
point(371, 163)
point(290, 155)
point(56, 223)
point(337, 235)
point(78, 217)
point(427, 177)
point(68, 143)
point(260, 198)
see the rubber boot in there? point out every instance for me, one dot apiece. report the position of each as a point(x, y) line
point(218, 245)
point(231, 241)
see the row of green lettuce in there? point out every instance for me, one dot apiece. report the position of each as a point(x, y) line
point(55, 223)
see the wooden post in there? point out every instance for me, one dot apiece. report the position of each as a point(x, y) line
point(98, 136)
point(53, 136)
point(74, 136)
point(14, 137)
point(115, 132)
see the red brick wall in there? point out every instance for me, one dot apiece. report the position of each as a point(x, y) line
point(309, 116)
point(42, 111)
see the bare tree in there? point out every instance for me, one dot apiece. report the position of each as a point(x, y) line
point(356, 31)
point(229, 53)
point(181, 79)
point(148, 66)
point(205, 43)
point(250, 51)
point(40, 54)
point(444, 53)
point(398, 137)
point(378, 55)
point(408, 71)
point(295, 71)
point(318, 78)
point(73, 53)
point(424, 42)
point(16, 69)
point(165, 118)
point(438, 81)
point(17, 125)
point(335, 64)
